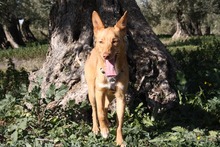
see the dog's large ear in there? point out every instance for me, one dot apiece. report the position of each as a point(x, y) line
point(97, 22)
point(122, 23)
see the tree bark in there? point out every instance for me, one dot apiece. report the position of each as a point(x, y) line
point(10, 38)
point(13, 33)
point(3, 41)
point(181, 32)
point(26, 31)
point(152, 69)
point(207, 30)
point(197, 28)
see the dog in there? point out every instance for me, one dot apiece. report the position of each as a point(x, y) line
point(107, 74)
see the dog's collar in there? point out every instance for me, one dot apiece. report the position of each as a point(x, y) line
point(111, 79)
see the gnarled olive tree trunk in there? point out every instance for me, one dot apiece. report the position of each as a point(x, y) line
point(151, 66)
point(186, 26)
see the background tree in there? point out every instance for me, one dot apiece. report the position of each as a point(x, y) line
point(188, 15)
point(151, 66)
point(212, 18)
point(30, 12)
point(150, 12)
point(39, 15)
point(9, 21)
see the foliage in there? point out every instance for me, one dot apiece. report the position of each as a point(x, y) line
point(38, 12)
point(201, 68)
point(38, 126)
point(27, 120)
point(190, 9)
point(12, 81)
point(35, 10)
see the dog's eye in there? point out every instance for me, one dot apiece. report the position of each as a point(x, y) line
point(100, 41)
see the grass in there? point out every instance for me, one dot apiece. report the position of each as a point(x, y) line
point(189, 44)
point(25, 53)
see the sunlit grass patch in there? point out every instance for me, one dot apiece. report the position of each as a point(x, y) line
point(189, 44)
point(25, 53)
point(181, 48)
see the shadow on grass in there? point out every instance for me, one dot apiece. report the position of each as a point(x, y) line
point(187, 116)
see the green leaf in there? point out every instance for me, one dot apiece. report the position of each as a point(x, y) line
point(155, 140)
point(178, 129)
point(14, 136)
point(51, 91)
point(56, 140)
point(181, 78)
point(138, 107)
point(28, 144)
point(61, 92)
point(23, 124)
point(213, 133)
point(12, 128)
point(197, 131)
point(148, 122)
point(173, 138)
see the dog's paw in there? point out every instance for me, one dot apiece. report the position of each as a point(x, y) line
point(95, 130)
point(104, 132)
point(123, 144)
point(120, 142)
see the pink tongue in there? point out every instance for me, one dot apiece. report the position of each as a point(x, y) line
point(110, 69)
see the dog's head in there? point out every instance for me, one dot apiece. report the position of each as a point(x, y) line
point(109, 41)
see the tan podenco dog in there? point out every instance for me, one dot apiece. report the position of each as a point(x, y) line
point(106, 73)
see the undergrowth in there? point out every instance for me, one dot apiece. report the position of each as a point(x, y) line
point(25, 119)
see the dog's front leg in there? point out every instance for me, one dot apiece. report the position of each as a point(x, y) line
point(95, 127)
point(100, 101)
point(120, 108)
